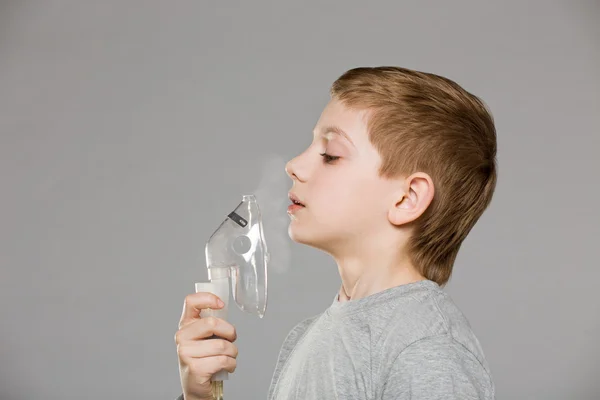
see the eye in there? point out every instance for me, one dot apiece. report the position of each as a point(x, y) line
point(327, 158)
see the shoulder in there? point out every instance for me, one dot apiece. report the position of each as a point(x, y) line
point(412, 317)
point(426, 314)
point(458, 328)
point(436, 352)
point(431, 313)
point(437, 365)
point(429, 338)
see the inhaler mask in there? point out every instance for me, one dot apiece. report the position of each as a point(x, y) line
point(237, 250)
point(236, 258)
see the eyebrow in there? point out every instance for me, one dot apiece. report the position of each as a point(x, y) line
point(338, 131)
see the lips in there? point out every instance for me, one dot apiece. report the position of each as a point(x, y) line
point(296, 200)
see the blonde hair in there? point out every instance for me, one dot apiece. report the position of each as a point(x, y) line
point(421, 122)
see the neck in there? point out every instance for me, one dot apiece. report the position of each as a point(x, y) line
point(374, 272)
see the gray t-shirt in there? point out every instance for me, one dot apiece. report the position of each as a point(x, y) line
point(406, 342)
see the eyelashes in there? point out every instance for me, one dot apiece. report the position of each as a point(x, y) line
point(328, 159)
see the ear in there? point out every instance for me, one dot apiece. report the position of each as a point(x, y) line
point(413, 199)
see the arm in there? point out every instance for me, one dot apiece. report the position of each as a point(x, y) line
point(437, 368)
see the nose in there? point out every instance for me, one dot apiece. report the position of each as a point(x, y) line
point(288, 169)
point(291, 169)
point(300, 167)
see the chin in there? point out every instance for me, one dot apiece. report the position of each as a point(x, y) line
point(296, 234)
point(309, 238)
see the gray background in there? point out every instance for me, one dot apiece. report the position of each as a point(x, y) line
point(130, 129)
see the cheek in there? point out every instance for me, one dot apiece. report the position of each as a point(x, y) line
point(347, 197)
point(368, 203)
point(335, 190)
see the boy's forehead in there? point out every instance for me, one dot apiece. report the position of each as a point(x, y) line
point(331, 131)
point(341, 121)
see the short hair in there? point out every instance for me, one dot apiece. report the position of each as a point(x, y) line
point(422, 122)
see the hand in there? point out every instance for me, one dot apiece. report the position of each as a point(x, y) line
point(200, 354)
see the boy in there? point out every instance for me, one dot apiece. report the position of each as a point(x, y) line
point(402, 165)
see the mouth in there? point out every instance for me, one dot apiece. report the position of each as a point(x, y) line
point(295, 200)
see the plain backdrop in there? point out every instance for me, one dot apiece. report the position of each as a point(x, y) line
point(129, 129)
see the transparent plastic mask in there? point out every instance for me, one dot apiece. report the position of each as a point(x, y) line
point(237, 249)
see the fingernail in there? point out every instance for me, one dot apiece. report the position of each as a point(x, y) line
point(220, 303)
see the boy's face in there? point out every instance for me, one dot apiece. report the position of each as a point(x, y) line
point(336, 178)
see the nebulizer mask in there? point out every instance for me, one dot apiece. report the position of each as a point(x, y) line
point(237, 258)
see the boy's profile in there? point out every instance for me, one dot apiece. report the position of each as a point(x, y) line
point(401, 166)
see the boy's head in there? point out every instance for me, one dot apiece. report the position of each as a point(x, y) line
point(401, 162)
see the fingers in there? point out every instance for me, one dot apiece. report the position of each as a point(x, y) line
point(208, 366)
point(205, 328)
point(207, 348)
point(196, 302)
